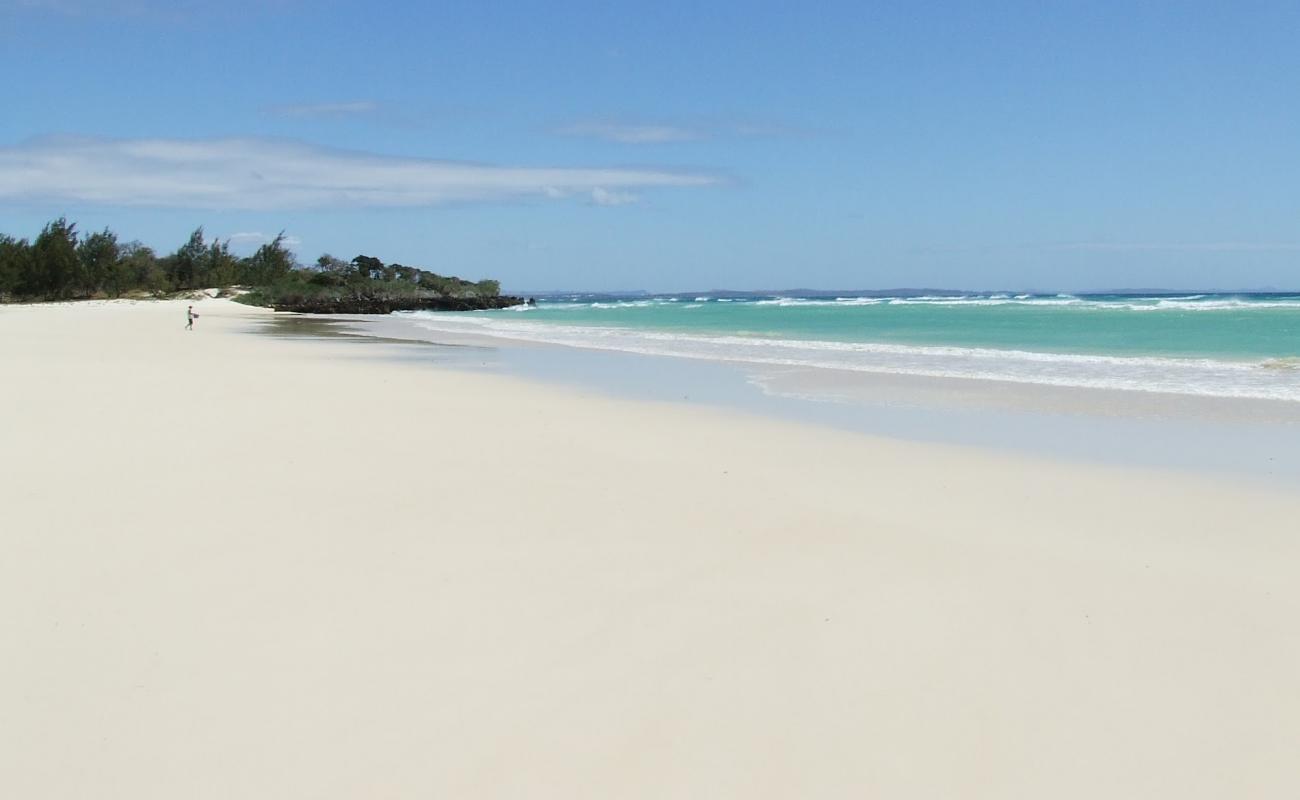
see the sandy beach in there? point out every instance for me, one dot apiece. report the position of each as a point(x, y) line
point(239, 566)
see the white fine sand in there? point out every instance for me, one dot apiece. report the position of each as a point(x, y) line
point(244, 567)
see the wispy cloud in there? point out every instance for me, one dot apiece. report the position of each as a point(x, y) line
point(632, 134)
point(1114, 247)
point(250, 239)
point(307, 110)
point(604, 197)
point(692, 130)
point(1201, 247)
point(260, 174)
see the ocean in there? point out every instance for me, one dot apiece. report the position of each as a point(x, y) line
point(1218, 345)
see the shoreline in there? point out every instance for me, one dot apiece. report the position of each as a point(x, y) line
point(1247, 436)
point(249, 566)
point(1240, 350)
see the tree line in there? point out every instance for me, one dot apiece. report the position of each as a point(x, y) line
point(63, 264)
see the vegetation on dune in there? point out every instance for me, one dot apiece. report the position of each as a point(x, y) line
point(61, 264)
point(367, 285)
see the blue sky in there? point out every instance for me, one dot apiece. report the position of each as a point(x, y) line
point(675, 146)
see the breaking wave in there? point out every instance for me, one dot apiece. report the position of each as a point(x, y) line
point(1272, 378)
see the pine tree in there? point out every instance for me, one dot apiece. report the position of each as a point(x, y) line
point(185, 266)
point(55, 270)
point(98, 254)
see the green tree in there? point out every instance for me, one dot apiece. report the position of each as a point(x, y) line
point(271, 263)
point(60, 264)
point(139, 268)
point(55, 269)
point(185, 267)
point(368, 266)
point(98, 255)
point(434, 282)
point(406, 274)
point(221, 266)
point(15, 257)
point(328, 263)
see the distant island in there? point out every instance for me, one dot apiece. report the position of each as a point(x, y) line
point(61, 264)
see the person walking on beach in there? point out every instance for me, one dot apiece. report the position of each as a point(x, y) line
point(190, 316)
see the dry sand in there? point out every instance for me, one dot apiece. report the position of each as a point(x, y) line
point(243, 567)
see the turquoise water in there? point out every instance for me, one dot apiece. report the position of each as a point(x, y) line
point(1227, 345)
point(1211, 326)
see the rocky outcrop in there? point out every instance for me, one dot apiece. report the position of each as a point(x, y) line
point(372, 304)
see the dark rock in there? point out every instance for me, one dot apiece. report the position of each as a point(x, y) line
point(369, 304)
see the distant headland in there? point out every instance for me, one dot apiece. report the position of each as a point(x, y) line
point(62, 264)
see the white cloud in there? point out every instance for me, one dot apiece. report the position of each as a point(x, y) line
point(265, 174)
point(257, 238)
point(354, 108)
point(632, 134)
point(604, 197)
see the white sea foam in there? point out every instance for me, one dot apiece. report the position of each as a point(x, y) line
point(1273, 379)
point(1189, 304)
point(1180, 303)
point(984, 301)
point(794, 302)
point(629, 304)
